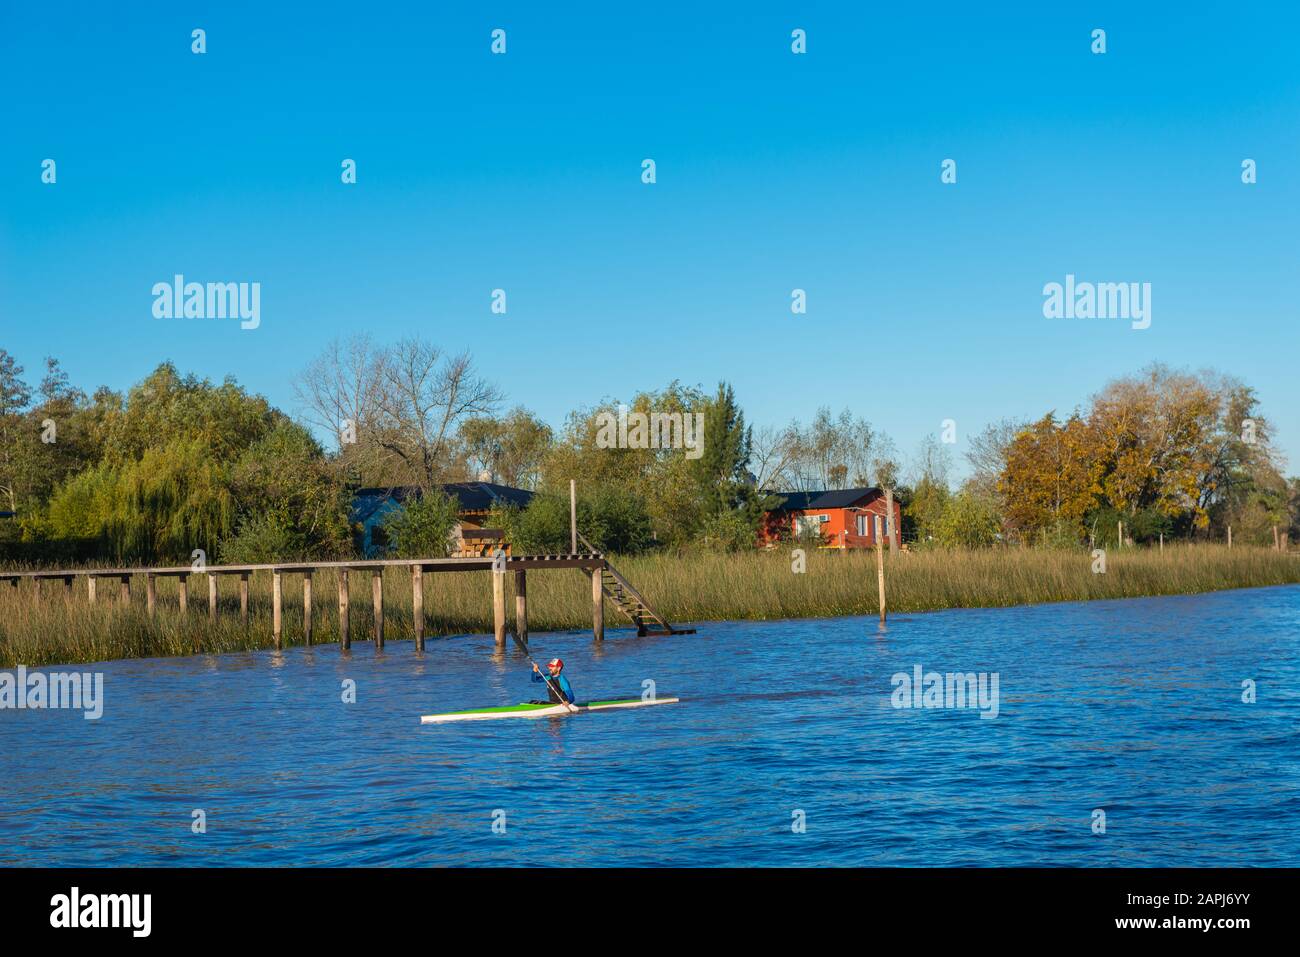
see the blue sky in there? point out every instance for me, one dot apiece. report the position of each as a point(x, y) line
point(775, 172)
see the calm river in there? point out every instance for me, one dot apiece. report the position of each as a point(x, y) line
point(785, 750)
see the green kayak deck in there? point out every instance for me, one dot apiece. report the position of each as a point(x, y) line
point(530, 710)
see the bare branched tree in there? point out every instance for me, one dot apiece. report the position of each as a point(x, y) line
point(395, 411)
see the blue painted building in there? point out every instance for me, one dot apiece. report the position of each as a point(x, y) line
point(371, 507)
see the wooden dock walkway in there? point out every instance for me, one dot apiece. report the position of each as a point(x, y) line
point(593, 563)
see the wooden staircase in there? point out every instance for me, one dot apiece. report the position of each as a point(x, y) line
point(630, 602)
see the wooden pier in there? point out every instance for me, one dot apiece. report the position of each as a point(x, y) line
point(604, 581)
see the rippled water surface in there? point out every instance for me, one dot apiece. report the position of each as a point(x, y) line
point(1133, 707)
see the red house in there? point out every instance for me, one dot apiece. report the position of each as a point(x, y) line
point(846, 518)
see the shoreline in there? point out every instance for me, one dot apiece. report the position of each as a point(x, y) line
point(695, 587)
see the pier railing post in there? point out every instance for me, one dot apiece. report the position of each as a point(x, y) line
point(91, 585)
point(306, 606)
point(417, 605)
point(243, 598)
point(212, 596)
point(345, 635)
point(277, 587)
point(597, 605)
point(183, 593)
point(150, 594)
point(521, 605)
point(377, 593)
point(499, 607)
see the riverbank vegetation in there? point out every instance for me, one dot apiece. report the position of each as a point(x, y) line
point(178, 464)
point(179, 468)
point(697, 586)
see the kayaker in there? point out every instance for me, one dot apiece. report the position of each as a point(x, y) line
point(558, 681)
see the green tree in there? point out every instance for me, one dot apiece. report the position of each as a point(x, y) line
point(967, 521)
point(721, 467)
point(423, 526)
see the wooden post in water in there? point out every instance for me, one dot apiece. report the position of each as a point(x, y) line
point(183, 593)
point(212, 596)
point(150, 594)
point(90, 588)
point(417, 606)
point(345, 634)
point(277, 595)
point(377, 596)
point(243, 598)
point(573, 517)
point(499, 607)
point(890, 524)
point(597, 605)
point(306, 606)
point(880, 576)
point(521, 606)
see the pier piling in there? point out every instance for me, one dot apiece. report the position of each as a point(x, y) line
point(345, 634)
point(306, 607)
point(150, 594)
point(597, 605)
point(277, 589)
point(499, 607)
point(183, 592)
point(243, 598)
point(521, 606)
point(212, 596)
point(377, 590)
point(417, 605)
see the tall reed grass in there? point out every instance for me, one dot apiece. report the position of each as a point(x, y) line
point(41, 627)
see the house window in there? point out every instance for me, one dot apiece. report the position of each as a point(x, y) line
point(862, 525)
point(804, 524)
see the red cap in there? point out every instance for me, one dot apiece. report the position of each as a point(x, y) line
point(555, 663)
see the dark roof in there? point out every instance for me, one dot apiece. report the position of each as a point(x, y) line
point(835, 498)
point(481, 496)
point(471, 497)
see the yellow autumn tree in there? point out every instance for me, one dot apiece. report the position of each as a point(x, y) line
point(1051, 479)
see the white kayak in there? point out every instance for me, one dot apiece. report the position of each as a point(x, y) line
point(548, 710)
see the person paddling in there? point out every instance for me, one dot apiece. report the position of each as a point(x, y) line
point(556, 684)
